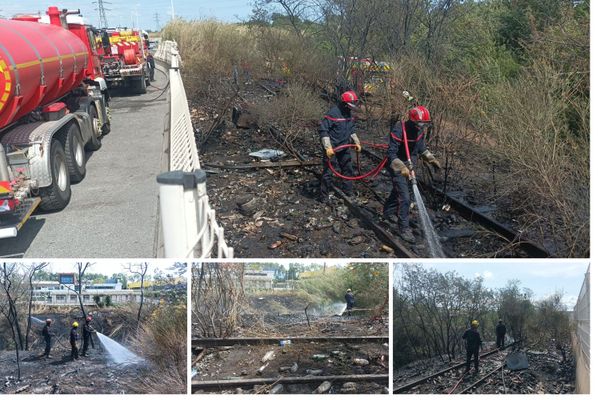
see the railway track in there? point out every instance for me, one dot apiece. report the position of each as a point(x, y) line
point(335, 370)
point(507, 241)
point(491, 363)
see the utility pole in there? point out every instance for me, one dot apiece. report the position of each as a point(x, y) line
point(172, 10)
point(102, 12)
point(157, 20)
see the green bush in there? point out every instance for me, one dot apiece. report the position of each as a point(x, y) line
point(369, 283)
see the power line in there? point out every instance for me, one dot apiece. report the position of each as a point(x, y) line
point(102, 12)
point(157, 20)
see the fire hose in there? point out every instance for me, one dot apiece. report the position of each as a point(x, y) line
point(374, 172)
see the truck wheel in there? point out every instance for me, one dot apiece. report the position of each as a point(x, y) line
point(56, 196)
point(106, 128)
point(74, 153)
point(94, 143)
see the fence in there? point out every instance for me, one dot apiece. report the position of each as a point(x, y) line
point(581, 315)
point(189, 224)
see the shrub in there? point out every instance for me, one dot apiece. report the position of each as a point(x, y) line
point(162, 339)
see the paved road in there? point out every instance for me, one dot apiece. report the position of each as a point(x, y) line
point(113, 212)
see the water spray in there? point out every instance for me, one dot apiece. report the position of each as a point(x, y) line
point(433, 242)
point(37, 320)
point(118, 353)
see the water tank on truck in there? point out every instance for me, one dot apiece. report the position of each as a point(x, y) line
point(53, 105)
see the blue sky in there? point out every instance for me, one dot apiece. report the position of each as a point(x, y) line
point(542, 277)
point(123, 12)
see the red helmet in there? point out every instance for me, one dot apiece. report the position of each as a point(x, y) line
point(419, 114)
point(349, 98)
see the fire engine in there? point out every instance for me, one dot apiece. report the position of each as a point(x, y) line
point(53, 106)
point(123, 58)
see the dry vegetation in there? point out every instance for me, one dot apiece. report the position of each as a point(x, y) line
point(507, 84)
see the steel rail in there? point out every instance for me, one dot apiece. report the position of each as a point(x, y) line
point(481, 380)
point(216, 342)
point(469, 213)
point(399, 249)
point(410, 385)
point(229, 383)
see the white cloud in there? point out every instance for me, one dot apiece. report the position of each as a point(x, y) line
point(487, 275)
point(567, 270)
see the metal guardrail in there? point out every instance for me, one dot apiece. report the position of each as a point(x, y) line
point(189, 224)
point(581, 314)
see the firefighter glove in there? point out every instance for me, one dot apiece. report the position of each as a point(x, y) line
point(356, 141)
point(430, 159)
point(326, 142)
point(400, 168)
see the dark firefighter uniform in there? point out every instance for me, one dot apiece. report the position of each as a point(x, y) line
point(73, 338)
point(349, 301)
point(87, 338)
point(337, 125)
point(500, 333)
point(47, 334)
point(151, 66)
point(398, 202)
point(473, 344)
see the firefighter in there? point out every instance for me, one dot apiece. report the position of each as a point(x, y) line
point(151, 65)
point(87, 335)
point(48, 334)
point(73, 338)
point(349, 301)
point(500, 334)
point(337, 128)
point(413, 131)
point(473, 343)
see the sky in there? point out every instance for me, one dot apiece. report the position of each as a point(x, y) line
point(106, 266)
point(123, 12)
point(542, 277)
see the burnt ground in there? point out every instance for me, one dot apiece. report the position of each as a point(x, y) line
point(244, 361)
point(547, 374)
point(275, 212)
point(93, 374)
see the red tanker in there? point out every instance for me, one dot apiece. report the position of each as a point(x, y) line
point(53, 106)
point(39, 63)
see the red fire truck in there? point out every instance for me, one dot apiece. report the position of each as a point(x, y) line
point(123, 58)
point(53, 106)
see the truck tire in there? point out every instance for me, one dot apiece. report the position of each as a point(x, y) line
point(94, 143)
point(74, 152)
point(106, 128)
point(56, 196)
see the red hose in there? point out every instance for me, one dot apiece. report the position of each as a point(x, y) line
point(373, 172)
point(406, 143)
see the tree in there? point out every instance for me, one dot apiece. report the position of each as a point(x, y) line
point(33, 270)
point(140, 270)
point(11, 283)
point(78, 287)
point(217, 293)
point(515, 306)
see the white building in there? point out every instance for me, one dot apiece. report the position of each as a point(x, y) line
point(259, 280)
point(57, 293)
